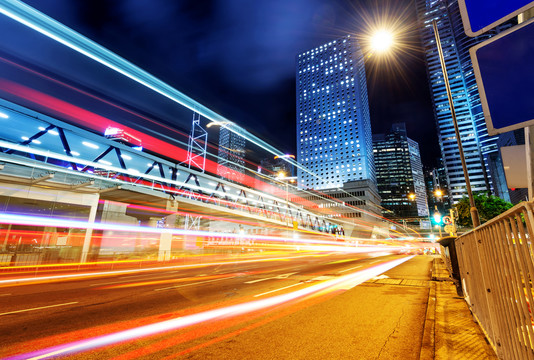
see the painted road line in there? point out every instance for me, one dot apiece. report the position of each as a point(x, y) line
point(257, 280)
point(196, 283)
point(38, 308)
point(352, 268)
point(372, 262)
point(5, 294)
point(283, 276)
point(285, 287)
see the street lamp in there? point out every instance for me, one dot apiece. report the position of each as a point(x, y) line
point(474, 212)
point(381, 41)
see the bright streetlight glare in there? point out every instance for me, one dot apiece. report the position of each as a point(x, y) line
point(382, 41)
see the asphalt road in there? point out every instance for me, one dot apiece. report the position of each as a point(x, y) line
point(301, 307)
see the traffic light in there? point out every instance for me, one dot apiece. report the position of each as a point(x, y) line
point(438, 218)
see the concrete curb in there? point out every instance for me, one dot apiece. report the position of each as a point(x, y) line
point(428, 346)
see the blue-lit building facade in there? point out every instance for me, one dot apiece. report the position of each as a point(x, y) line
point(478, 146)
point(334, 138)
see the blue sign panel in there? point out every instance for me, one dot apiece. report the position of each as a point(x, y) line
point(504, 69)
point(480, 16)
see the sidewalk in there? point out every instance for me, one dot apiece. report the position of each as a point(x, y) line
point(450, 330)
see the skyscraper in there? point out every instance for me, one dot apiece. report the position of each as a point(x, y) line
point(231, 160)
point(477, 144)
point(333, 125)
point(399, 173)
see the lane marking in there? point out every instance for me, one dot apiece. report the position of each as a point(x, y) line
point(352, 268)
point(283, 276)
point(285, 287)
point(5, 294)
point(257, 280)
point(372, 262)
point(38, 308)
point(196, 283)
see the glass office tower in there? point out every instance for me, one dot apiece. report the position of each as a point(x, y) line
point(231, 160)
point(333, 126)
point(399, 173)
point(477, 144)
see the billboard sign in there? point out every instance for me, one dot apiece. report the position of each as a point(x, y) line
point(479, 16)
point(504, 72)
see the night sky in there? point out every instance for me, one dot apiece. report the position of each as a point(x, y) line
point(237, 57)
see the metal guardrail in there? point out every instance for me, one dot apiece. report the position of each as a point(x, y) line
point(496, 263)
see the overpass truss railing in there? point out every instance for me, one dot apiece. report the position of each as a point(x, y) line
point(41, 148)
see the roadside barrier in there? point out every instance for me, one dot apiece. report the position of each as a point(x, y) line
point(497, 273)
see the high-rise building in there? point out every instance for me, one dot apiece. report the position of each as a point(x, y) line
point(437, 190)
point(231, 156)
point(333, 126)
point(477, 144)
point(399, 173)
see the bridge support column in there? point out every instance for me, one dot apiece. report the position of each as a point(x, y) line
point(89, 232)
point(165, 239)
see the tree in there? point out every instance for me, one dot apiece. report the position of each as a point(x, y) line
point(488, 207)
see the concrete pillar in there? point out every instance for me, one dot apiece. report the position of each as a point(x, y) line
point(4, 247)
point(89, 232)
point(165, 239)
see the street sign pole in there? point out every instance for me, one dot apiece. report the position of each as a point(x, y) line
point(474, 212)
point(529, 130)
point(529, 148)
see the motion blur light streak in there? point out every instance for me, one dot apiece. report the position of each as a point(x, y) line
point(49, 27)
point(175, 280)
point(34, 279)
point(47, 221)
point(234, 310)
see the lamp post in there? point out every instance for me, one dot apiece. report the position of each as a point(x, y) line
point(412, 197)
point(281, 176)
point(474, 212)
point(286, 180)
